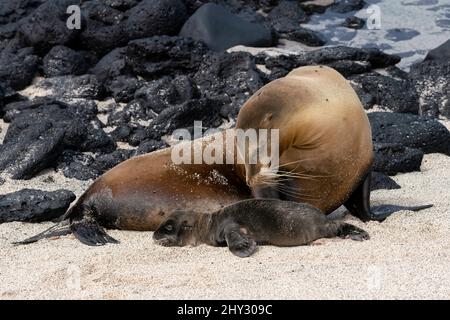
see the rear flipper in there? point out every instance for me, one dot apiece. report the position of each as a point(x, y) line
point(347, 230)
point(85, 228)
point(239, 243)
point(60, 229)
point(359, 204)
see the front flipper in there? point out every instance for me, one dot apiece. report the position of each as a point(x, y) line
point(239, 243)
point(347, 230)
point(359, 204)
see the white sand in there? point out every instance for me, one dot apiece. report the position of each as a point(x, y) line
point(408, 256)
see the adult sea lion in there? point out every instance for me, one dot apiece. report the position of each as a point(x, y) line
point(244, 224)
point(325, 143)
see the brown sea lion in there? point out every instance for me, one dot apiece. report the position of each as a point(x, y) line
point(244, 224)
point(325, 153)
point(325, 143)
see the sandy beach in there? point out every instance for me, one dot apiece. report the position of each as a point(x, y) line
point(407, 257)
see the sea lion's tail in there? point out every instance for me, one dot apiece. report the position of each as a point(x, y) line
point(80, 220)
point(383, 211)
point(60, 229)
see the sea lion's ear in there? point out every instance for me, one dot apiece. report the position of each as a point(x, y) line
point(267, 119)
point(239, 242)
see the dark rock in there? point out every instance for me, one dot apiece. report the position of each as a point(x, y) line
point(103, 27)
point(111, 65)
point(162, 55)
point(183, 116)
point(381, 181)
point(150, 146)
point(202, 26)
point(61, 61)
point(71, 87)
point(155, 17)
point(394, 93)
point(133, 114)
point(46, 26)
point(316, 6)
point(442, 52)
point(160, 94)
point(76, 165)
point(14, 10)
point(354, 23)
point(287, 16)
point(431, 79)
point(122, 88)
point(345, 6)
point(368, 57)
point(121, 5)
point(39, 132)
point(106, 161)
point(121, 133)
point(18, 68)
point(392, 158)
point(306, 36)
point(408, 130)
point(349, 67)
point(229, 79)
point(34, 205)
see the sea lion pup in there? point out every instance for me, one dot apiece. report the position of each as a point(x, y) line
point(325, 143)
point(244, 224)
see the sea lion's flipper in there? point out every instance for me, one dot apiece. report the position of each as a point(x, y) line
point(85, 228)
point(347, 230)
point(359, 204)
point(239, 243)
point(60, 229)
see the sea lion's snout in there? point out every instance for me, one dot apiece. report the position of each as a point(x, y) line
point(176, 230)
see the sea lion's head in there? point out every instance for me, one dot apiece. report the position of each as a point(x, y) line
point(177, 229)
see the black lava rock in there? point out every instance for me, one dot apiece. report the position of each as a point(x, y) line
point(431, 79)
point(230, 79)
point(306, 36)
point(40, 131)
point(71, 87)
point(61, 61)
point(31, 205)
point(46, 26)
point(203, 26)
point(111, 65)
point(13, 10)
point(103, 28)
point(354, 23)
point(442, 52)
point(394, 93)
point(150, 146)
point(381, 181)
point(408, 130)
point(105, 162)
point(18, 67)
point(366, 58)
point(183, 116)
point(122, 88)
point(287, 16)
point(155, 17)
point(392, 158)
point(76, 165)
point(160, 94)
point(163, 55)
point(344, 6)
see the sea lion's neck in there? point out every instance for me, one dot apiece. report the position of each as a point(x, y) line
point(202, 232)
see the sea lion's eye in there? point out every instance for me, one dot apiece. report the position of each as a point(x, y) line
point(168, 227)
